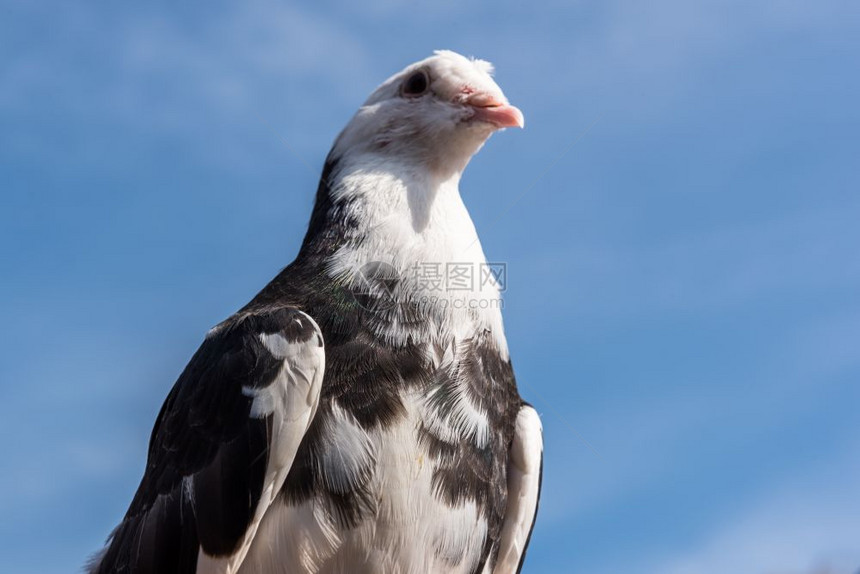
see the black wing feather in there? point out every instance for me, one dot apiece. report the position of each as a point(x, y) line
point(207, 456)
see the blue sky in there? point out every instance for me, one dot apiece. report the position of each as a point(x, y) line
point(679, 220)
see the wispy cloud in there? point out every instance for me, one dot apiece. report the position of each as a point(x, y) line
point(175, 78)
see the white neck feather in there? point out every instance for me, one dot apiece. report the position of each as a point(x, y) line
point(416, 221)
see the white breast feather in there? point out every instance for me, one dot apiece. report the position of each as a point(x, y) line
point(347, 451)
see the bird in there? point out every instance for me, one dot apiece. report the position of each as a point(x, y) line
point(360, 414)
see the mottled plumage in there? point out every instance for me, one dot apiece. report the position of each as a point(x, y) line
point(350, 418)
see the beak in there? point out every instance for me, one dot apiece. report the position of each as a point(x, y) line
point(497, 112)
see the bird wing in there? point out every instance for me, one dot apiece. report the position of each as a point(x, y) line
point(222, 446)
point(525, 470)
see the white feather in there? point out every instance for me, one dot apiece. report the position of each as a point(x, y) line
point(347, 451)
point(524, 465)
point(463, 420)
point(276, 344)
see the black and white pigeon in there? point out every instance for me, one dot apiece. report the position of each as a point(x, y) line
point(355, 417)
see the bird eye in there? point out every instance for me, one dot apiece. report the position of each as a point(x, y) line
point(416, 84)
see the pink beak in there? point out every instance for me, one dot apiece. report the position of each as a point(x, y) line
point(499, 113)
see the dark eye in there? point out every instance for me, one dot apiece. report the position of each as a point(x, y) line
point(416, 84)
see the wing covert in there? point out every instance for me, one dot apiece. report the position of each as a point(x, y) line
point(222, 445)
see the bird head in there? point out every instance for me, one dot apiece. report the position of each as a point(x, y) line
point(437, 112)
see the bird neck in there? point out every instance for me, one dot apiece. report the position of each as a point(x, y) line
point(405, 226)
point(402, 214)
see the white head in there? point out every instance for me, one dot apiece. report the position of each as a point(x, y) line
point(437, 113)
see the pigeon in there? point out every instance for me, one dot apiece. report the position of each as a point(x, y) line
point(360, 414)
